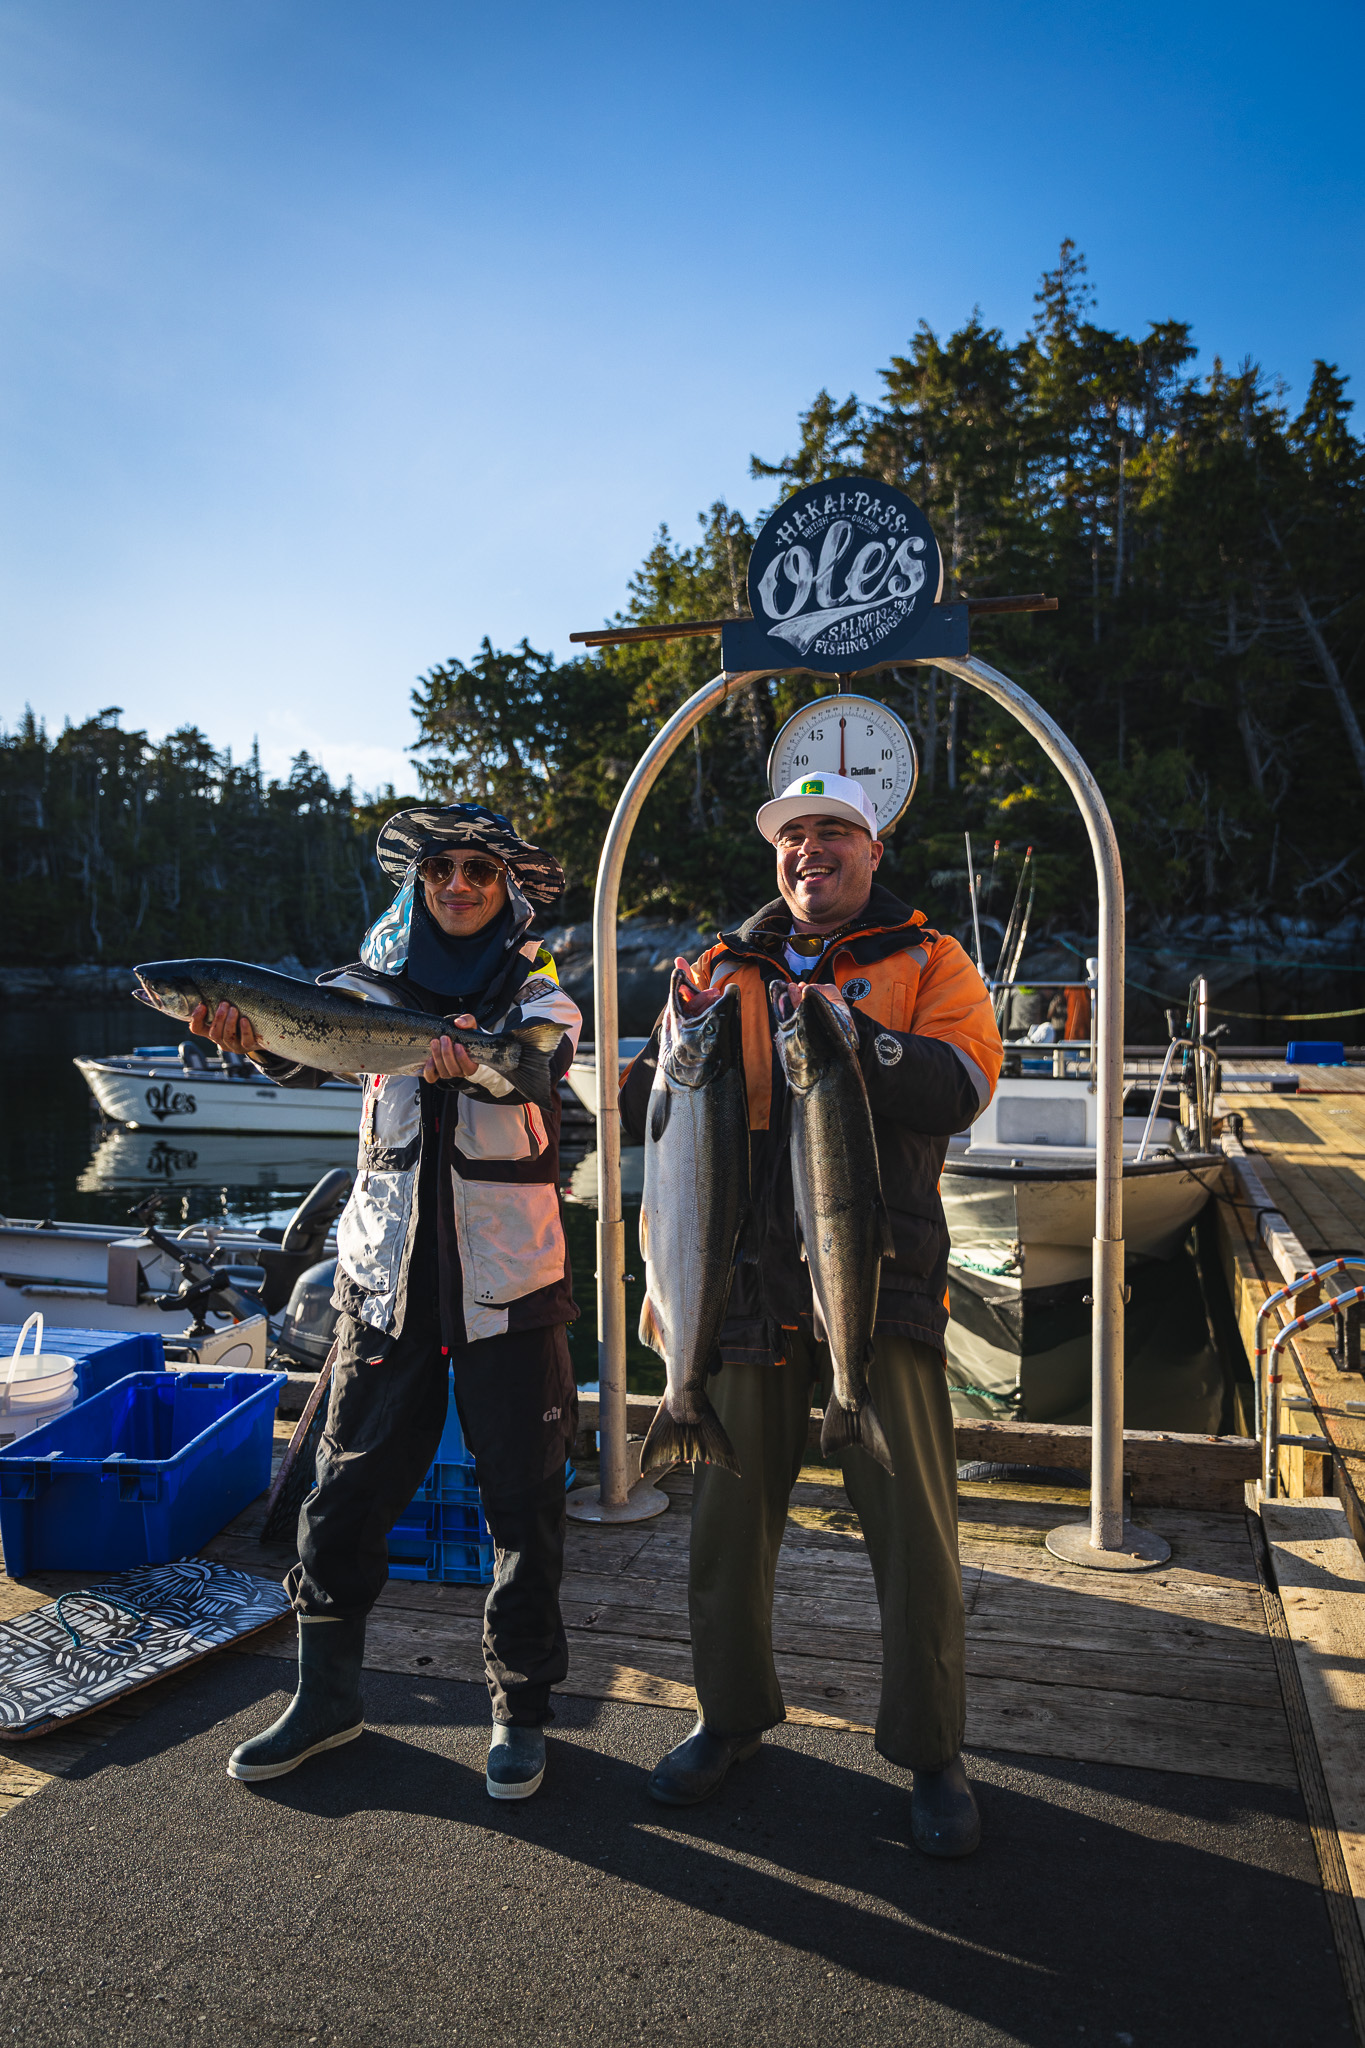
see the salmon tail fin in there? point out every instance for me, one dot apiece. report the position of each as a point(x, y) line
point(533, 1075)
point(844, 1427)
point(544, 1037)
point(702, 1442)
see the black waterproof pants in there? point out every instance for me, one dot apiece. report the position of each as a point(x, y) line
point(519, 1411)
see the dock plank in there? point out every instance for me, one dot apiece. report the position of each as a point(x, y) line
point(1320, 1575)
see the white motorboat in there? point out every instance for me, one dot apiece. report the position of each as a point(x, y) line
point(1018, 1188)
point(178, 1088)
point(582, 1074)
point(99, 1277)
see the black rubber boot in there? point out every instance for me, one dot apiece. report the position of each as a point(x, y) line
point(324, 1712)
point(696, 1768)
point(516, 1762)
point(943, 1817)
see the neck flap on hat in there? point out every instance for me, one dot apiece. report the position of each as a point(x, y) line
point(388, 946)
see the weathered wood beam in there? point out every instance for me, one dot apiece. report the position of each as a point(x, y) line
point(1165, 1469)
point(1272, 1226)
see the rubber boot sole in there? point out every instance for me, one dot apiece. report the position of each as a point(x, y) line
point(253, 1774)
point(741, 1756)
point(520, 1791)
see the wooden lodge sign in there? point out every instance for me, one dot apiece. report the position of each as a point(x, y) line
point(845, 575)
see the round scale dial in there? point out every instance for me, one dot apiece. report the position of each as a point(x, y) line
point(848, 735)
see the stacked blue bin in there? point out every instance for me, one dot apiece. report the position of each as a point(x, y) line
point(441, 1534)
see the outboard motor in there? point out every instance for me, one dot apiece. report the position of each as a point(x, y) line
point(310, 1320)
point(306, 1231)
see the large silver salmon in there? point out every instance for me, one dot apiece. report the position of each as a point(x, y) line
point(340, 1033)
point(695, 1200)
point(841, 1218)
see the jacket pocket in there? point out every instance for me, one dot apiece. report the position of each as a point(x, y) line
point(919, 1242)
point(499, 1130)
point(511, 1239)
point(372, 1229)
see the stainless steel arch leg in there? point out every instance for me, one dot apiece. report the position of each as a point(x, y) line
point(1109, 1543)
point(621, 1495)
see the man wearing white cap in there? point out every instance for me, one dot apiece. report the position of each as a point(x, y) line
point(930, 1053)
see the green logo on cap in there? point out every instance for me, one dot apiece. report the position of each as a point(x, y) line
point(813, 787)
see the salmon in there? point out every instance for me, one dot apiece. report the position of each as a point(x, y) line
point(696, 1198)
point(343, 1034)
point(841, 1219)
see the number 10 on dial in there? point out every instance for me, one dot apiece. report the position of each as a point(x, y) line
point(855, 736)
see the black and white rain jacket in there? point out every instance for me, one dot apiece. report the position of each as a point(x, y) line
point(458, 1181)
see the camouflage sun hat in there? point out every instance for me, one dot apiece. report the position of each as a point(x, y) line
point(409, 836)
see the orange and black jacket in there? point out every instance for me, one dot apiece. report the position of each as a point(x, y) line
point(931, 1056)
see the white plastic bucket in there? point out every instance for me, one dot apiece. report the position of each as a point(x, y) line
point(35, 1388)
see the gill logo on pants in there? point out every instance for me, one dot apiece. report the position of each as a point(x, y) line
point(551, 1415)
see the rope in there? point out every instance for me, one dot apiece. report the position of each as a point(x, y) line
point(1220, 1009)
point(109, 1601)
point(985, 1394)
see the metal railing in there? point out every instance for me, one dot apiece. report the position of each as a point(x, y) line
point(1337, 1304)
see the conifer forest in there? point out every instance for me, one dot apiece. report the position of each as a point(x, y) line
point(1205, 539)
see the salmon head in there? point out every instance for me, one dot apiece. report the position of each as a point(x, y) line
point(810, 1029)
point(701, 1036)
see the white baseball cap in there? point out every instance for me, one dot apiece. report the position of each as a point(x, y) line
point(818, 796)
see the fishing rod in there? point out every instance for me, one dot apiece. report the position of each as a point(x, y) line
point(1007, 938)
point(971, 891)
point(990, 883)
point(1023, 931)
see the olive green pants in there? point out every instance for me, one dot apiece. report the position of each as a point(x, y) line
point(909, 1523)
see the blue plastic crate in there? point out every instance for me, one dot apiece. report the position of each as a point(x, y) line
point(442, 1534)
point(437, 1541)
point(1306, 1052)
point(143, 1472)
point(102, 1356)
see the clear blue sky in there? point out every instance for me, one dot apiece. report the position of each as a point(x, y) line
point(338, 333)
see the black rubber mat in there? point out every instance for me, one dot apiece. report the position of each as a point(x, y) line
point(380, 1897)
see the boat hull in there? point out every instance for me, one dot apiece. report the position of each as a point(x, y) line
point(164, 1096)
point(1032, 1222)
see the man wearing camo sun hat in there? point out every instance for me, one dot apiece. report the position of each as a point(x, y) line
point(450, 1252)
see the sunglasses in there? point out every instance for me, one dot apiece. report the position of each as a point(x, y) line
point(478, 871)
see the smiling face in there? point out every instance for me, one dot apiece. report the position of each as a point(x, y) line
point(463, 891)
point(824, 870)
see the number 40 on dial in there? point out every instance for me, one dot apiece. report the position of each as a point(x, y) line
point(856, 736)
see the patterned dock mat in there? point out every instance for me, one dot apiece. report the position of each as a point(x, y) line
point(86, 1649)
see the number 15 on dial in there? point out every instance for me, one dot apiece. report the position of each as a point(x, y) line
point(856, 736)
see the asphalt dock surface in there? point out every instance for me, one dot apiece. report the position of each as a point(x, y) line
point(378, 1896)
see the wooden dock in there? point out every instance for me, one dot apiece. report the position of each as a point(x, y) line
point(1171, 1670)
point(1306, 1158)
point(1191, 1669)
point(1241, 1660)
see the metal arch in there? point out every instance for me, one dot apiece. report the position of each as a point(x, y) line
point(1106, 1359)
point(1109, 1543)
point(615, 1473)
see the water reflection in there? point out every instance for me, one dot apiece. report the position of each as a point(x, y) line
point(1032, 1364)
point(140, 1161)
